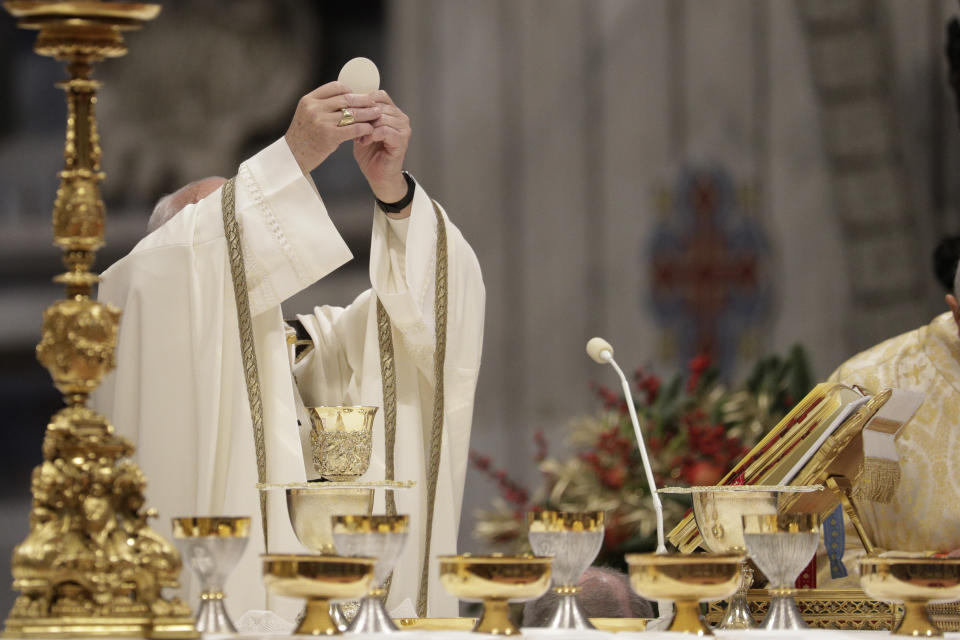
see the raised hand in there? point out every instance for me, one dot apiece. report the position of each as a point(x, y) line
point(380, 153)
point(314, 132)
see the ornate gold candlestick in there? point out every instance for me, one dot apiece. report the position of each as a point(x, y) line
point(90, 565)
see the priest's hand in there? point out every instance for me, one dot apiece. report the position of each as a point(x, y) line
point(315, 133)
point(380, 153)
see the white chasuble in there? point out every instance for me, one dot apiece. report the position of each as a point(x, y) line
point(179, 392)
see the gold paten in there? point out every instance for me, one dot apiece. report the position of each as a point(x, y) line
point(496, 581)
point(211, 527)
point(342, 439)
point(547, 520)
point(320, 580)
point(915, 582)
point(90, 566)
point(687, 580)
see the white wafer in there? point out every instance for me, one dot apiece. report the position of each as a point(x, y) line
point(360, 75)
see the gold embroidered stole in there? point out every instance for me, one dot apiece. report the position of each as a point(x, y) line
point(388, 375)
point(251, 372)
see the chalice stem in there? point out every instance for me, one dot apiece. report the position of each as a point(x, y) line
point(687, 619)
point(737, 615)
point(783, 612)
point(372, 617)
point(317, 621)
point(569, 614)
point(916, 621)
point(212, 615)
point(496, 618)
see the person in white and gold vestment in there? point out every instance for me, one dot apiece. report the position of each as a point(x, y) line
point(924, 514)
point(179, 391)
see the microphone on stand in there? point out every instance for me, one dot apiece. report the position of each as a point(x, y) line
point(602, 352)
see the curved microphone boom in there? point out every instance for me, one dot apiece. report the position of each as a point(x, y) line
point(602, 352)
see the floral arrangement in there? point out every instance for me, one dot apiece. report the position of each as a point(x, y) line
point(695, 427)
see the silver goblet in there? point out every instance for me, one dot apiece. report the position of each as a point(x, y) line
point(781, 546)
point(211, 547)
point(381, 538)
point(573, 540)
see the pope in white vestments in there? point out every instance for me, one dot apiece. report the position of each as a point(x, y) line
point(179, 391)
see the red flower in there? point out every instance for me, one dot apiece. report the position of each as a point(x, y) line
point(615, 477)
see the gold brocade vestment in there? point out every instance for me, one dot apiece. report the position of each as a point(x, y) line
point(924, 514)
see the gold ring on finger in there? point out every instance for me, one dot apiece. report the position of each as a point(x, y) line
point(346, 118)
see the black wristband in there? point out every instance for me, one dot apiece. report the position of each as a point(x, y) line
point(402, 203)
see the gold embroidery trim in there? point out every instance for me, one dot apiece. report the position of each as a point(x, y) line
point(389, 376)
point(879, 480)
point(436, 432)
point(251, 372)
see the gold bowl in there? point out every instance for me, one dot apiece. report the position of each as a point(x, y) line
point(342, 441)
point(495, 581)
point(915, 582)
point(687, 580)
point(319, 579)
point(311, 509)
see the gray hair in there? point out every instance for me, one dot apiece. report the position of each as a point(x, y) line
point(604, 593)
point(172, 203)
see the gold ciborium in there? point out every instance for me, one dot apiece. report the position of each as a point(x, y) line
point(916, 582)
point(496, 581)
point(342, 439)
point(687, 580)
point(718, 512)
point(320, 580)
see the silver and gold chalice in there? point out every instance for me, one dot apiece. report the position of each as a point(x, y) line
point(718, 512)
point(211, 547)
point(781, 546)
point(496, 581)
point(687, 580)
point(573, 540)
point(915, 582)
point(381, 538)
point(322, 580)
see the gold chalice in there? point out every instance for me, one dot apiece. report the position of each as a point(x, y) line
point(342, 439)
point(687, 580)
point(915, 582)
point(718, 512)
point(211, 547)
point(573, 540)
point(495, 581)
point(381, 538)
point(319, 579)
